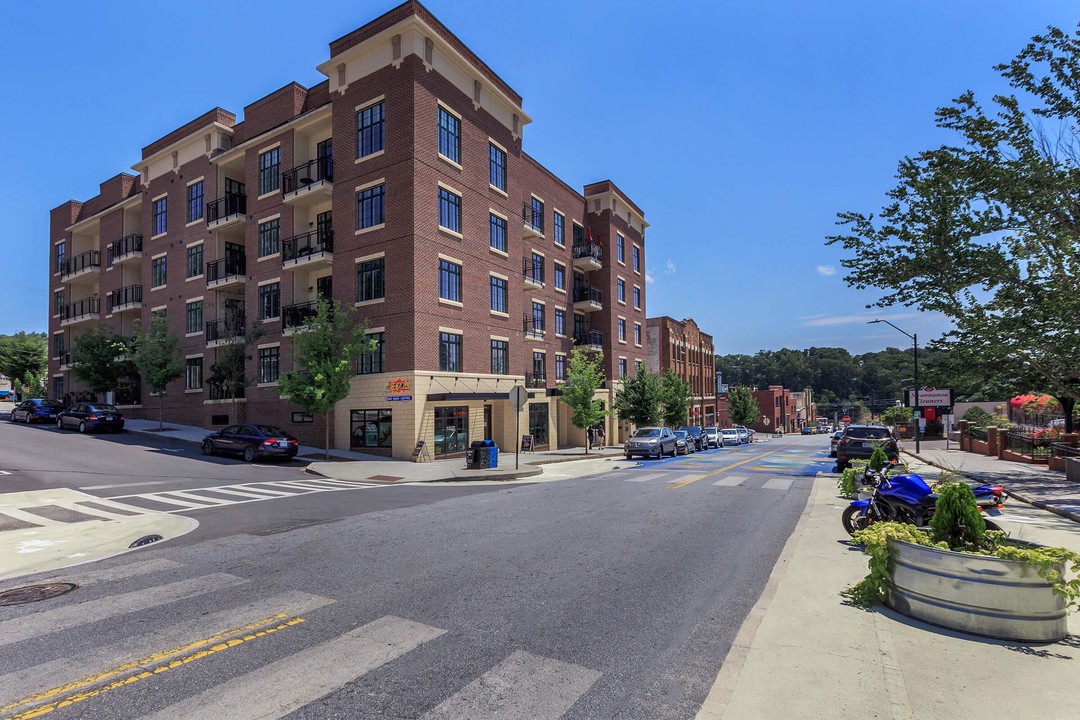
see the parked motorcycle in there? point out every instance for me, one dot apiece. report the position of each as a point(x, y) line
point(908, 499)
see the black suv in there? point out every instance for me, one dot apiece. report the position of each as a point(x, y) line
point(859, 441)
point(701, 440)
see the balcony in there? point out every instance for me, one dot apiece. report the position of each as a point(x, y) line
point(126, 298)
point(535, 380)
point(310, 183)
point(310, 248)
point(225, 331)
point(591, 340)
point(82, 264)
point(226, 211)
point(532, 271)
point(88, 309)
point(588, 298)
point(65, 361)
point(229, 270)
point(125, 249)
point(533, 219)
point(533, 327)
point(588, 256)
point(294, 316)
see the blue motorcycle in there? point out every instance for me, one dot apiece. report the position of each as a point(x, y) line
point(908, 499)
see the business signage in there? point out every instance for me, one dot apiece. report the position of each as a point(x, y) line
point(399, 386)
point(931, 397)
point(398, 398)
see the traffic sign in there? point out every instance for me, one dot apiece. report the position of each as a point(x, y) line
point(518, 396)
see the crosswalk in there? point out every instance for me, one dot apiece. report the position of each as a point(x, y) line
point(761, 482)
point(272, 678)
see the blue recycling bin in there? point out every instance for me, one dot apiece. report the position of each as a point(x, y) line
point(493, 453)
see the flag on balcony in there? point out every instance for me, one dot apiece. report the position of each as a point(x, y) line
point(590, 237)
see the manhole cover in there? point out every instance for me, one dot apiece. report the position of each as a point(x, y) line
point(34, 593)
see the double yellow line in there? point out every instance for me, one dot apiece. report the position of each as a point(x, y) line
point(684, 483)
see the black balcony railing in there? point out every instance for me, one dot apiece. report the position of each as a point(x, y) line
point(293, 316)
point(125, 246)
point(533, 269)
point(589, 249)
point(312, 243)
point(65, 358)
point(533, 326)
point(89, 306)
point(307, 174)
point(232, 265)
point(225, 329)
point(125, 296)
point(592, 338)
point(588, 293)
point(83, 261)
point(1061, 449)
point(533, 217)
point(231, 204)
point(1027, 445)
point(536, 380)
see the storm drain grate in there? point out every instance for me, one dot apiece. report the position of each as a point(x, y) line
point(34, 593)
point(145, 540)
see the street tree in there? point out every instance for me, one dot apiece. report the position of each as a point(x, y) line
point(639, 399)
point(157, 359)
point(584, 376)
point(986, 230)
point(325, 351)
point(24, 356)
point(675, 399)
point(93, 358)
point(742, 406)
point(897, 414)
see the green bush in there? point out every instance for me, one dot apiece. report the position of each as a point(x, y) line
point(957, 521)
point(977, 416)
point(878, 459)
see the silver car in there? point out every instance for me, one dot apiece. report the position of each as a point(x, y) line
point(713, 436)
point(744, 434)
point(729, 436)
point(650, 442)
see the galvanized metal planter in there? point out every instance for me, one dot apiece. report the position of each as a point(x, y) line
point(994, 597)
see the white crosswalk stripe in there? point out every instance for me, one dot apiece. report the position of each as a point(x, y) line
point(638, 477)
point(730, 481)
point(777, 483)
point(207, 497)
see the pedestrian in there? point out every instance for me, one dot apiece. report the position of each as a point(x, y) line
point(592, 437)
point(600, 436)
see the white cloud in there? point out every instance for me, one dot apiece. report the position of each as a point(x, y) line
point(832, 320)
point(649, 279)
point(670, 267)
point(826, 270)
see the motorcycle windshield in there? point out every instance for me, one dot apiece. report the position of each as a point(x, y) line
point(909, 488)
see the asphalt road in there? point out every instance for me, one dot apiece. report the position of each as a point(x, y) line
point(615, 595)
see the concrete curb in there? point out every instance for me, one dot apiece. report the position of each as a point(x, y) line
point(464, 476)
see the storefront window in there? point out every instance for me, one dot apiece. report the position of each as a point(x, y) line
point(538, 423)
point(451, 430)
point(370, 429)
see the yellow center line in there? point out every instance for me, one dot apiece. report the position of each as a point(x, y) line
point(214, 641)
point(684, 483)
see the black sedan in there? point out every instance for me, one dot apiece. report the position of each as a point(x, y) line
point(36, 410)
point(91, 416)
point(697, 433)
point(253, 441)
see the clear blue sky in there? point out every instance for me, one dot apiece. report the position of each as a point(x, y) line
point(741, 128)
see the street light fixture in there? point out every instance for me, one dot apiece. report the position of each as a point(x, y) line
point(915, 343)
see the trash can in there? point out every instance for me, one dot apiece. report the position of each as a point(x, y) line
point(477, 457)
point(492, 453)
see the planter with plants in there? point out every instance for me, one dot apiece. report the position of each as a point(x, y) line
point(959, 575)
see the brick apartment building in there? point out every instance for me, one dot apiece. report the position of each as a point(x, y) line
point(398, 186)
point(779, 409)
point(684, 348)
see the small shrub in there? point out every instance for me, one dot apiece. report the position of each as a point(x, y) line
point(878, 459)
point(977, 416)
point(957, 521)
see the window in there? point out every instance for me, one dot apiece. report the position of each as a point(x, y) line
point(370, 280)
point(269, 302)
point(195, 201)
point(370, 363)
point(370, 428)
point(538, 267)
point(58, 388)
point(637, 298)
point(560, 367)
point(560, 276)
point(451, 430)
point(500, 357)
point(560, 229)
point(195, 260)
point(195, 316)
point(193, 373)
point(449, 281)
point(498, 233)
point(58, 345)
point(620, 248)
point(536, 218)
point(620, 290)
point(622, 367)
point(268, 364)
point(369, 130)
point(158, 271)
point(58, 302)
point(61, 256)
point(539, 367)
point(449, 352)
point(637, 333)
point(637, 259)
point(560, 322)
point(579, 235)
point(270, 171)
point(161, 216)
point(449, 210)
point(498, 294)
point(269, 237)
point(370, 207)
point(449, 136)
point(496, 167)
point(538, 423)
point(538, 317)
point(622, 330)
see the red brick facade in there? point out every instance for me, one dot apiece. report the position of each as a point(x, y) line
point(684, 348)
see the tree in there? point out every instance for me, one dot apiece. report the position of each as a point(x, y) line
point(639, 399)
point(987, 231)
point(897, 414)
point(742, 406)
point(24, 357)
point(157, 359)
point(325, 350)
point(93, 356)
point(675, 399)
point(584, 376)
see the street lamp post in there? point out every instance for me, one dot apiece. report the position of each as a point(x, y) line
point(915, 344)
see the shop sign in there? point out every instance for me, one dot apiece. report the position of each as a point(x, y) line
point(392, 398)
point(399, 386)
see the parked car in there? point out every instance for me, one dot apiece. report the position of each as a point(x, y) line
point(729, 436)
point(835, 439)
point(650, 442)
point(253, 441)
point(684, 444)
point(713, 436)
point(807, 430)
point(36, 410)
point(858, 443)
point(698, 433)
point(87, 417)
point(744, 434)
